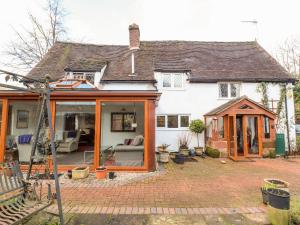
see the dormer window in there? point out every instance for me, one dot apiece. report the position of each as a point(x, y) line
point(172, 81)
point(229, 90)
point(89, 76)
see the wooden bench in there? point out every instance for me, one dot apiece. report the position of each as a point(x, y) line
point(19, 200)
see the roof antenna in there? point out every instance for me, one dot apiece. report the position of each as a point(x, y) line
point(255, 23)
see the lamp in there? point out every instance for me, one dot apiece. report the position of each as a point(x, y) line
point(134, 123)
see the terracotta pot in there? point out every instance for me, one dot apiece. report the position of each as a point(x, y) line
point(101, 173)
point(184, 151)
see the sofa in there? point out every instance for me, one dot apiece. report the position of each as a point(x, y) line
point(130, 154)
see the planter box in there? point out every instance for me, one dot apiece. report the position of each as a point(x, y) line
point(164, 157)
point(80, 172)
point(276, 183)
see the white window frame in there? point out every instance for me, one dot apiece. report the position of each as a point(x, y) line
point(166, 122)
point(172, 81)
point(72, 75)
point(229, 90)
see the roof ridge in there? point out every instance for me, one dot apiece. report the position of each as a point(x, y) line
point(190, 41)
point(92, 44)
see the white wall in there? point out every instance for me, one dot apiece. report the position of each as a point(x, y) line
point(200, 98)
point(109, 138)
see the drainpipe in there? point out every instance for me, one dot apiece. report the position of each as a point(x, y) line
point(287, 124)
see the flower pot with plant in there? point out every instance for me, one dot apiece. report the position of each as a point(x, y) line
point(184, 141)
point(197, 127)
point(164, 154)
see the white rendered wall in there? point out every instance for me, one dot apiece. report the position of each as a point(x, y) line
point(200, 98)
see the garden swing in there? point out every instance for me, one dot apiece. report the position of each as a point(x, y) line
point(19, 199)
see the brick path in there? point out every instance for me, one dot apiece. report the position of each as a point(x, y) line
point(202, 184)
point(155, 210)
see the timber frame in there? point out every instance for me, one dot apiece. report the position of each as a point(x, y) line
point(147, 97)
point(241, 108)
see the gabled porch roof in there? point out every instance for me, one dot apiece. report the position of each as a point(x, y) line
point(241, 105)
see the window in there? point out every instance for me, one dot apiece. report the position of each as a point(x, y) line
point(267, 127)
point(184, 121)
point(229, 90)
point(221, 127)
point(172, 81)
point(167, 80)
point(172, 121)
point(84, 76)
point(161, 121)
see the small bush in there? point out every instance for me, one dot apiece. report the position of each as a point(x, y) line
point(295, 212)
point(298, 143)
point(212, 152)
point(272, 154)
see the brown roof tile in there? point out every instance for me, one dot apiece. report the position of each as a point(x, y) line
point(205, 61)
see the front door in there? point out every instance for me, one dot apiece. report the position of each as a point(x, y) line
point(252, 136)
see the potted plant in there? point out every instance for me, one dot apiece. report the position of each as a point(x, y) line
point(184, 141)
point(197, 127)
point(101, 173)
point(164, 154)
point(276, 183)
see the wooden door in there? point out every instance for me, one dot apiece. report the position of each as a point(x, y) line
point(232, 138)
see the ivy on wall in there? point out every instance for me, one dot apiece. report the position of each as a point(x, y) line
point(262, 88)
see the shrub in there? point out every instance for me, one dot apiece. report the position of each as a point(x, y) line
point(295, 212)
point(197, 127)
point(272, 154)
point(212, 152)
point(298, 143)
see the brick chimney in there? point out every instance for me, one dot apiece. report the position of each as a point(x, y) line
point(134, 36)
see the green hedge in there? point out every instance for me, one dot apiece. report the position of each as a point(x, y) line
point(212, 152)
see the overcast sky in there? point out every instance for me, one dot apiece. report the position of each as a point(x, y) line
point(106, 21)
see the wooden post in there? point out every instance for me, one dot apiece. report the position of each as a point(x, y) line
point(97, 144)
point(3, 128)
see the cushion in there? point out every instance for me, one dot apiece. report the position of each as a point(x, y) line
point(127, 141)
point(69, 139)
point(72, 134)
point(138, 140)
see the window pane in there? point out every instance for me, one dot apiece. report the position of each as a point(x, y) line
point(177, 80)
point(234, 90)
point(221, 127)
point(184, 121)
point(223, 90)
point(75, 132)
point(172, 121)
point(90, 77)
point(267, 127)
point(161, 121)
point(166, 80)
point(125, 146)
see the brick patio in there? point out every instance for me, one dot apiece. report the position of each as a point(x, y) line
point(186, 189)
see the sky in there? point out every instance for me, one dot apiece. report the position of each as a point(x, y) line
point(107, 21)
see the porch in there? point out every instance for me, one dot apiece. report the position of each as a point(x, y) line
point(240, 128)
point(94, 128)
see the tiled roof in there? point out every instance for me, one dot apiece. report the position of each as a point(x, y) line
point(231, 103)
point(205, 61)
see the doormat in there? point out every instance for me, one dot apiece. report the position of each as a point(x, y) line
point(187, 159)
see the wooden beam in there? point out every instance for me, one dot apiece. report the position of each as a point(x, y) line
point(97, 138)
point(3, 128)
point(235, 137)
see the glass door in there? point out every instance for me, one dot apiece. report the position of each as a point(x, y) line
point(252, 135)
point(232, 137)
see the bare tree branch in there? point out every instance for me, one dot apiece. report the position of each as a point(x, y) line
point(32, 44)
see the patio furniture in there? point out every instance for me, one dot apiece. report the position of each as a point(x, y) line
point(19, 199)
point(69, 144)
point(86, 152)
